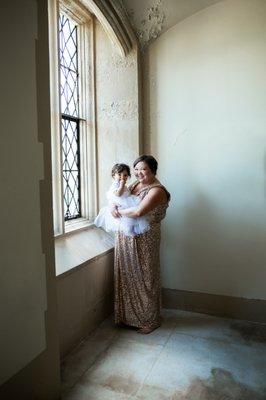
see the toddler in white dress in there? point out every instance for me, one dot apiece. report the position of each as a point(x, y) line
point(120, 195)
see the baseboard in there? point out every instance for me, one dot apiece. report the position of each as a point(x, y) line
point(213, 304)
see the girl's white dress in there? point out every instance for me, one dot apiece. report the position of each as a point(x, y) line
point(128, 226)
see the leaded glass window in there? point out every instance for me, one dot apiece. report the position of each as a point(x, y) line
point(70, 122)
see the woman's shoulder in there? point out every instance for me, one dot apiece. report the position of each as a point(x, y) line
point(159, 188)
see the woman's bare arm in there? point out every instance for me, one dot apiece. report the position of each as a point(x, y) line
point(155, 197)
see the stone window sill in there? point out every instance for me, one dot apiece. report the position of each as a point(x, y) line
point(77, 248)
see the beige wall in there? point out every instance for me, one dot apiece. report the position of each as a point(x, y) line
point(28, 337)
point(117, 108)
point(206, 123)
point(85, 299)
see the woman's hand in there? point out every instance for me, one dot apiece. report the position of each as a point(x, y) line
point(114, 211)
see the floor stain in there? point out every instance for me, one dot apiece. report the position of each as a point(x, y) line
point(220, 386)
point(250, 331)
point(122, 385)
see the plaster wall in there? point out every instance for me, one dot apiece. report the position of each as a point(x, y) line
point(117, 103)
point(85, 299)
point(205, 121)
point(28, 337)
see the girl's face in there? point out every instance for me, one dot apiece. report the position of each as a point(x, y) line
point(143, 173)
point(121, 176)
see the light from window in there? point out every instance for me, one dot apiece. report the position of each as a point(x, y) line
point(70, 121)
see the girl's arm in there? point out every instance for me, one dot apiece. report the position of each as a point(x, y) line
point(120, 190)
point(155, 197)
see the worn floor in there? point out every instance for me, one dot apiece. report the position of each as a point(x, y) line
point(190, 357)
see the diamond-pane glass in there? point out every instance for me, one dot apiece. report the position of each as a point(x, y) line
point(68, 66)
point(71, 170)
point(68, 52)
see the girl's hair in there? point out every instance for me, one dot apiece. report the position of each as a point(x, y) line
point(150, 160)
point(117, 168)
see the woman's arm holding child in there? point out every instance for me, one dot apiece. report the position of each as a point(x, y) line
point(155, 197)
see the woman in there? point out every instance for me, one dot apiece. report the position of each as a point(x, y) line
point(137, 264)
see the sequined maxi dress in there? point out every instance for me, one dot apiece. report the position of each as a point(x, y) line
point(137, 281)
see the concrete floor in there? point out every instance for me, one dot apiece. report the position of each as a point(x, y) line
point(190, 357)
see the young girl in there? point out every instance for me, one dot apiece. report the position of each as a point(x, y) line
point(119, 195)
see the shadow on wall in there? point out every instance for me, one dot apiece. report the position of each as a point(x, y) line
point(213, 249)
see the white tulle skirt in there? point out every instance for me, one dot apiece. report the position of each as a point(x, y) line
point(128, 226)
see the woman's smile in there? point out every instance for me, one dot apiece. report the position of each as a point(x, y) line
point(143, 173)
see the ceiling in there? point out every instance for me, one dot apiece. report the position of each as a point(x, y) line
point(151, 18)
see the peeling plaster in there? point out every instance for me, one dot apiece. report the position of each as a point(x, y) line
point(159, 15)
point(151, 25)
point(118, 61)
point(123, 109)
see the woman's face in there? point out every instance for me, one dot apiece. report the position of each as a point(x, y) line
point(143, 173)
